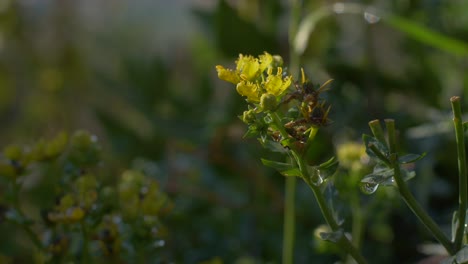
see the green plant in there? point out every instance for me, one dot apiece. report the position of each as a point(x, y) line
point(286, 120)
point(72, 214)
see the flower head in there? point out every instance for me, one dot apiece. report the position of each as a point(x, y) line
point(276, 84)
point(254, 76)
point(227, 75)
point(248, 67)
point(250, 90)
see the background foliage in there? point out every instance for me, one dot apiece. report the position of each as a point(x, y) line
point(141, 77)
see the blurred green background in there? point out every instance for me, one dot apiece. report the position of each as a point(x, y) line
point(141, 76)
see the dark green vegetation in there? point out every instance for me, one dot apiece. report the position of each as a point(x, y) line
point(158, 109)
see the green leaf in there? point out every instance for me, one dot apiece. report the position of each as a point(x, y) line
point(383, 178)
point(307, 26)
point(411, 29)
point(368, 141)
point(328, 168)
point(329, 163)
point(273, 146)
point(285, 169)
point(292, 172)
point(427, 36)
point(252, 131)
point(410, 158)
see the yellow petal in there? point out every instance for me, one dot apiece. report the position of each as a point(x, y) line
point(275, 84)
point(265, 61)
point(247, 67)
point(249, 89)
point(227, 75)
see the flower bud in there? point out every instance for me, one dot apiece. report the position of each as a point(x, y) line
point(248, 117)
point(268, 102)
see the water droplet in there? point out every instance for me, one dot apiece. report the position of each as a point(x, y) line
point(371, 18)
point(369, 188)
point(315, 177)
point(389, 181)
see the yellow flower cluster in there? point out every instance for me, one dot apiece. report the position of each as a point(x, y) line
point(250, 79)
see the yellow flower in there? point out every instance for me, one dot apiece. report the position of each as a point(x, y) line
point(265, 61)
point(275, 84)
point(249, 89)
point(227, 75)
point(247, 67)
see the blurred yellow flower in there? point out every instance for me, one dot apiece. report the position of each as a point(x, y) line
point(249, 89)
point(275, 84)
point(265, 61)
point(247, 67)
point(227, 75)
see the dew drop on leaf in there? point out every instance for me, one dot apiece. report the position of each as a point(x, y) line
point(369, 188)
point(315, 177)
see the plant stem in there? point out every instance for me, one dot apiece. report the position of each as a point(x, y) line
point(16, 205)
point(294, 22)
point(327, 213)
point(289, 204)
point(462, 177)
point(290, 187)
point(377, 131)
point(85, 250)
point(358, 221)
point(289, 220)
point(417, 209)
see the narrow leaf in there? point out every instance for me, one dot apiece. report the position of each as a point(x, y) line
point(273, 146)
point(410, 158)
point(368, 141)
point(285, 169)
point(427, 36)
point(306, 28)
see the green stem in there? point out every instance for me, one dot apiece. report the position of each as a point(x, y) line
point(377, 131)
point(85, 250)
point(325, 210)
point(358, 221)
point(408, 197)
point(462, 177)
point(328, 215)
point(294, 62)
point(290, 187)
point(417, 209)
point(289, 220)
point(390, 123)
point(379, 154)
point(289, 203)
point(27, 229)
point(288, 242)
